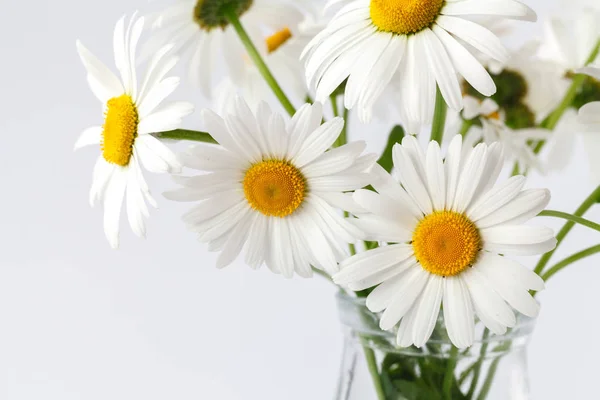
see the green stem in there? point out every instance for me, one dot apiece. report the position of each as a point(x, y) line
point(570, 260)
point(186, 134)
point(515, 170)
point(439, 117)
point(487, 384)
point(372, 364)
point(592, 199)
point(449, 375)
point(479, 364)
point(570, 217)
point(259, 62)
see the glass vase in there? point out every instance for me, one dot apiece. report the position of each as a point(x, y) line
point(374, 368)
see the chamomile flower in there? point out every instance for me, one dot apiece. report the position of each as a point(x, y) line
point(201, 28)
point(589, 117)
point(571, 41)
point(494, 129)
point(371, 42)
point(275, 188)
point(131, 114)
point(450, 229)
point(282, 60)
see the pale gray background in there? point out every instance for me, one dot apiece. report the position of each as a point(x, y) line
point(155, 320)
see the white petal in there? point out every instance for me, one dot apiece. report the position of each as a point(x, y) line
point(155, 156)
point(458, 312)
point(504, 8)
point(453, 167)
point(513, 292)
point(475, 35)
point(281, 248)
point(113, 202)
point(522, 208)
point(334, 160)
point(516, 234)
point(428, 309)
point(491, 309)
point(435, 176)
point(383, 276)
point(466, 64)
point(411, 180)
point(318, 141)
point(103, 82)
point(496, 198)
point(136, 205)
point(397, 296)
point(471, 176)
point(370, 262)
point(384, 206)
point(88, 137)
point(443, 70)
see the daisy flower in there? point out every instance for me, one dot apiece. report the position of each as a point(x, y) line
point(282, 60)
point(494, 129)
point(131, 114)
point(416, 42)
point(273, 187)
point(589, 116)
point(571, 41)
point(201, 29)
point(450, 229)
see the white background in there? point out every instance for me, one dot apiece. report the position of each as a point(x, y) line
point(155, 319)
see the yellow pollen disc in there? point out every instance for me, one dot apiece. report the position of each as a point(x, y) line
point(446, 243)
point(119, 130)
point(277, 39)
point(404, 16)
point(495, 115)
point(274, 187)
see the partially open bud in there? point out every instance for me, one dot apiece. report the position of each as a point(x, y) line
point(210, 14)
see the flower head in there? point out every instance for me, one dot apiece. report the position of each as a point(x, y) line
point(450, 229)
point(131, 114)
point(275, 188)
point(202, 29)
point(372, 42)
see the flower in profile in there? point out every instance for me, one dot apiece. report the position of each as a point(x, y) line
point(493, 128)
point(589, 117)
point(275, 188)
point(201, 28)
point(450, 229)
point(416, 42)
point(131, 113)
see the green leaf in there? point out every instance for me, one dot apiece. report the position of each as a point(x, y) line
point(395, 136)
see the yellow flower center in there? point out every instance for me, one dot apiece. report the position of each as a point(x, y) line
point(277, 39)
point(446, 243)
point(274, 187)
point(119, 130)
point(404, 16)
point(495, 115)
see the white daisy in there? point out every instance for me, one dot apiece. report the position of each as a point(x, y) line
point(274, 188)
point(201, 29)
point(589, 117)
point(493, 128)
point(371, 42)
point(449, 225)
point(282, 60)
point(131, 114)
point(571, 41)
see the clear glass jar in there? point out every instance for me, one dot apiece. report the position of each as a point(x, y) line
point(374, 368)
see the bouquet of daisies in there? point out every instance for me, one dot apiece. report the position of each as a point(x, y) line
point(426, 230)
